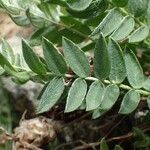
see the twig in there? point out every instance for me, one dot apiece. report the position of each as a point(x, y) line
point(123, 137)
point(69, 143)
point(117, 124)
point(122, 86)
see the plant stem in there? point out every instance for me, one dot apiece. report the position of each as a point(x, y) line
point(122, 86)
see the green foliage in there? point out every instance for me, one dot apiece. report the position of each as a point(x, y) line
point(53, 58)
point(104, 146)
point(110, 96)
point(118, 69)
point(124, 29)
point(136, 79)
point(95, 93)
point(109, 23)
point(101, 59)
point(120, 3)
point(109, 31)
point(78, 5)
point(137, 7)
point(76, 95)
point(5, 116)
point(130, 102)
point(51, 94)
point(76, 58)
point(32, 59)
point(142, 139)
point(139, 34)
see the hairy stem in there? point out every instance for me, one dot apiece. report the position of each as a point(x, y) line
point(122, 86)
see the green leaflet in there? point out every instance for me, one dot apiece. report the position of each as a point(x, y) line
point(117, 147)
point(7, 52)
point(4, 62)
point(53, 57)
point(103, 145)
point(139, 34)
point(110, 96)
point(134, 70)
point(101, 59)
point(148, 102)
point(1, 70)
point(124, 29)
point(98, 113)
point(130, 102)
point(120, 3)
point(137, 7)
point(27, 3)
point(118, 69)
point(32, 59)
point(78, 5)
point(76, 58)
point(20, 20)
point(94, 95)
point(76, 24)
point(49, 32)
point(22, 77)
point(93, 10)
point(36, 16)
point(51, 94)
point(76, 95)
point(20, 62)
point(10, 7)
point(148, 13)
point(146, 84)
point(109, 23)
